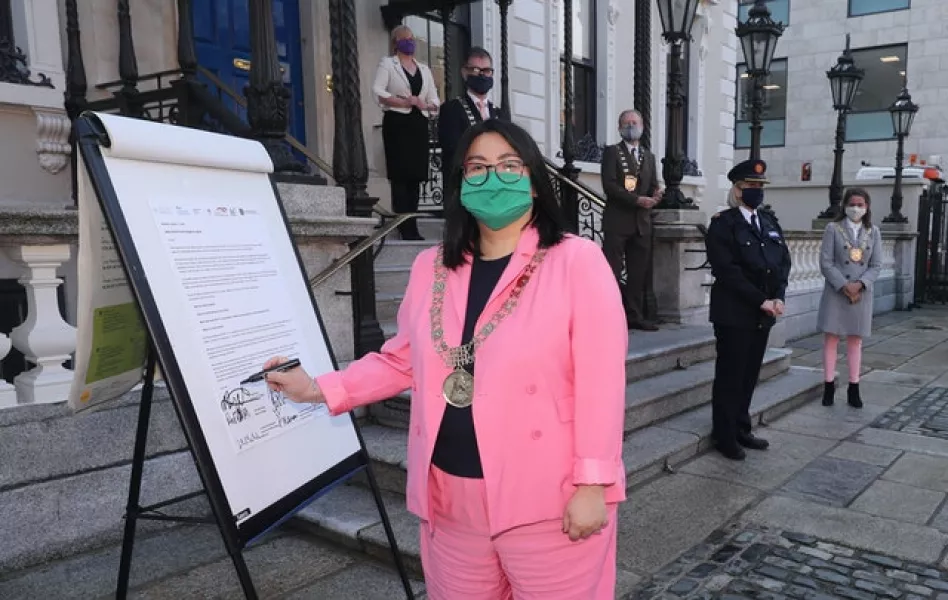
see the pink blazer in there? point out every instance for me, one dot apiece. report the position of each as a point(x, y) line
point(549, 386)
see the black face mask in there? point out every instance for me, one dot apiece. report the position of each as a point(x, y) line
point(752, 197)
point(479, 84)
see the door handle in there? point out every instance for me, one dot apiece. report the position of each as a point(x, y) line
point(244, 65)
point(329, 86)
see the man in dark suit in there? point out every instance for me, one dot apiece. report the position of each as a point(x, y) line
point(630, 182)
point(750, 263)
point(457, 114)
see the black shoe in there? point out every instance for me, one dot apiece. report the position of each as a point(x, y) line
point(829, 392)
point(852, 396)
point(732, 452)
point(749, 440)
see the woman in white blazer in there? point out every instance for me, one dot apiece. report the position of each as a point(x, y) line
point(406, 91)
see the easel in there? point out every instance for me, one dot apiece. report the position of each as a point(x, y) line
point(92, 136)
point(135, 512)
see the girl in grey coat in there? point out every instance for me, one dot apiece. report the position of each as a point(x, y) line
point(850, 260)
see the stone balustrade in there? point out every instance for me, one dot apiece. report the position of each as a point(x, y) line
point(36, 246)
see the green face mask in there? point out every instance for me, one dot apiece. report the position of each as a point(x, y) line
point(497, 204)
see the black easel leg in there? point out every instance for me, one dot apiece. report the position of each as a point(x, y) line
point(389, 532)
point(135, 484)
point(243, 574)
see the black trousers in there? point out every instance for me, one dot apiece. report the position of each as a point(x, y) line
point(405, 200)
point(635, 252)
point(740, 353)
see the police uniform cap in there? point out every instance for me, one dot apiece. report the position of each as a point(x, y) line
point(749, 170)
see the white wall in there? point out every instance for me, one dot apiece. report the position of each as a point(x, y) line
point(812, 42)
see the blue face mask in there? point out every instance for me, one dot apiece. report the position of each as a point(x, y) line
point(495, 203)
point(752, 197)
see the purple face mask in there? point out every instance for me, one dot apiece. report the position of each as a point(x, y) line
point(406, 47)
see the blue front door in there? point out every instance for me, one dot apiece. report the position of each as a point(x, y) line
point(222, 38)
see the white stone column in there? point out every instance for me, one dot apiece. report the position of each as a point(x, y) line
point(44, 338)
point(7, 391)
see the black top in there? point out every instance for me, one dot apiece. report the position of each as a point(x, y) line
point(749, 266)
point(455, 450)
point(414, 81)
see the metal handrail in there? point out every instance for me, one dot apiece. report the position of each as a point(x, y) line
point(581, 188)
point(363, 246)
point(292, 141)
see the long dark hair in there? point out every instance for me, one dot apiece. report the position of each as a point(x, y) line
point(461, 235)
point(847, 196)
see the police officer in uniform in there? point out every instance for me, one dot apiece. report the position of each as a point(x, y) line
point(750, 263)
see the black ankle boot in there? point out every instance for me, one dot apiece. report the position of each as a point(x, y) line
point(852, 396)
point(829, 391)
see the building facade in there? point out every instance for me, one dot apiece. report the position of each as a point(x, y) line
point(893, 41)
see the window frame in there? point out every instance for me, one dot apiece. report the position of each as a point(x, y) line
point(885, 111)
point(590, 67)
point(850, 15)
point(750, 3)
point(737, 108)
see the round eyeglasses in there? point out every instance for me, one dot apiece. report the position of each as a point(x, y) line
point(508, 171)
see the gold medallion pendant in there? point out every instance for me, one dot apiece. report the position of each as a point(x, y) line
point(855, 254)
point(458, 388)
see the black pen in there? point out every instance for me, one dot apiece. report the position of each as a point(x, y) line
point(287, 366)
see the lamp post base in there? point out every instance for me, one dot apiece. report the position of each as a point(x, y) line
point(674, 199)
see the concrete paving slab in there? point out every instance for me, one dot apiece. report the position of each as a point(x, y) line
point(885, 536)
point(808, 424)
point(646, 451)
point(788, 453)
point(917, 444)
point(673, 514)
point(903, 347)
point(929, 472)
point(281, 566)
point(93, 575)
point(832, 481)
point(939, 521)
point(359, 582)
point(871, 455)
point(933, 371)
point(897, 378)
point(899, 502)
point(877, 360)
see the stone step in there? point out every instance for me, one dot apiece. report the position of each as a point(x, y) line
point(391, 279)
point(432, 229)
point(650, 354)
point(64, 477)
point(191, 562)
point(648, 402)
point(401, 253)
point(347, 514)
point(662, 396)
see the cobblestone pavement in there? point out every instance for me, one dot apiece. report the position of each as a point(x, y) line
point(739, 563)
point(923, 413)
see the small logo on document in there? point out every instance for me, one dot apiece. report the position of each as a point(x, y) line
point(221, 211)
point(242, 515)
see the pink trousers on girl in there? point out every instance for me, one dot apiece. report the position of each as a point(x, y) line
point(532, 562)
point(853, 357)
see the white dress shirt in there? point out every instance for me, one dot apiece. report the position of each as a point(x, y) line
point(748, 213)
point(633, 150)
point(483, 105)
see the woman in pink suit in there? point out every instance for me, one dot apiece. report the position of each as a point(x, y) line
point(514, 469)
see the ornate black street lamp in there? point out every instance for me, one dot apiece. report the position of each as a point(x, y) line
point(844, 80)
point(903, 115)
point(678, 17)
point(758, 35)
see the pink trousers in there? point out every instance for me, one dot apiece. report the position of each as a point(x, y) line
point(462, 561)
point(853, 357)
